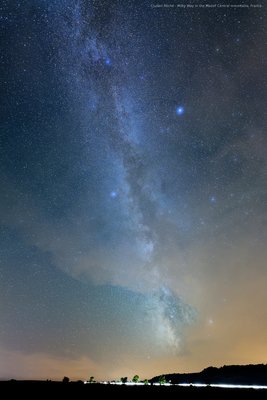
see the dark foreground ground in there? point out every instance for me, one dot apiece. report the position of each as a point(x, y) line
point(75, 390)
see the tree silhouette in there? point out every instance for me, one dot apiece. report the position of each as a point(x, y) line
point(136, 378)
point(91, 379)
point(162, 380)
point(65, 379)
point(145, 381)
point(124, 379)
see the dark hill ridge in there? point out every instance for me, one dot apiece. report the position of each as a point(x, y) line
point(231, 374)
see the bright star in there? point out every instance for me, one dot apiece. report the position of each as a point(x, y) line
point(113, 194)
point(179, 110)
point(107, 61)
point(213, 199)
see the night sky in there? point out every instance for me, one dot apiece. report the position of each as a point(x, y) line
point(133, 188)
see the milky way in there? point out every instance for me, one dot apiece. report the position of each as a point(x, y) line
point(133, 209)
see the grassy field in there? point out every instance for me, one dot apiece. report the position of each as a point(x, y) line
point(79, 390)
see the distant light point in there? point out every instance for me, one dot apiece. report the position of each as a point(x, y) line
point(180, 110)
point(113, 194)
point(213, 199)
point(108, 61)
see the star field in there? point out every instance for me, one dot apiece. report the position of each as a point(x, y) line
point(133, 174)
